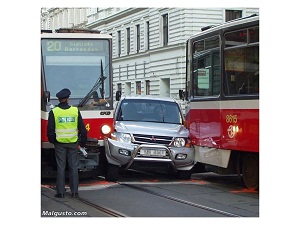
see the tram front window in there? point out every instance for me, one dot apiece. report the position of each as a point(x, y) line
point(77, 68)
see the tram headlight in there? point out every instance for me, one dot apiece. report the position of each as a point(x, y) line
point(105, 129)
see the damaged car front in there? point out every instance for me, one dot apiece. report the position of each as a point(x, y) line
point(149, 136)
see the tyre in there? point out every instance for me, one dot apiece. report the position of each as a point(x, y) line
point(111, 172)
point(102, 164)
point(184, 174)
point(250, 171)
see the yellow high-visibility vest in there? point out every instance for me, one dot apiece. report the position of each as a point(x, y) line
point(66, 124)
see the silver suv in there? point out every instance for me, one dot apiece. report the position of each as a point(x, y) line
point(150, 136)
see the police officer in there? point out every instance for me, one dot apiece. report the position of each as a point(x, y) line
point(65, 126)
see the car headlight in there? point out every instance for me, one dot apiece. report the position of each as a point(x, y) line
point(179, 142)
point(122, 137)
point(105, 129)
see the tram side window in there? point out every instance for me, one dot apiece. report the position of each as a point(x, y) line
point(206, 67)
point(242, 62)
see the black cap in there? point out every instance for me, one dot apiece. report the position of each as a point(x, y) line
point(64, 93)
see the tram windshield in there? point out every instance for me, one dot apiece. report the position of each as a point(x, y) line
point(80, 65)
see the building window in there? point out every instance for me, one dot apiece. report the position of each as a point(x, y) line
point(138, 87)
point(232, 14)
point(138, 38)
point(128, 40)
point(147, 87)
point(147, 35)
point(119, 43)
point(165, 29)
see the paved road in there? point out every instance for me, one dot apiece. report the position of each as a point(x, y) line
point(58, 207)
point(140, 195)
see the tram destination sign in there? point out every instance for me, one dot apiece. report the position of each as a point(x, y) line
point(56, 45)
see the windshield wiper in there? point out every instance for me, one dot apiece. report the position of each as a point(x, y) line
point(99, 81)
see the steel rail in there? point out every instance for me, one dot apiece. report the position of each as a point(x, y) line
point(181, 201)
point(100, 208)
point(106, 210)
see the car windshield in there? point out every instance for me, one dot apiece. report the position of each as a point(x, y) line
point(149, 111)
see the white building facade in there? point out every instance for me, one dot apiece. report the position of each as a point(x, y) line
point(148, 43)
point(54, 18)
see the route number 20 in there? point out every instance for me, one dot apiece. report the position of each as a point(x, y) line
point(53, 46)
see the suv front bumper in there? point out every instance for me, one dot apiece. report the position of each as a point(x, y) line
point(124, 154)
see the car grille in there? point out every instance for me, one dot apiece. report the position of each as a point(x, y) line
point(152, 139)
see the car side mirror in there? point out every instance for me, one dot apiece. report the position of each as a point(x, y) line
point(118, 95)
point(181, 94)
point(47, 96)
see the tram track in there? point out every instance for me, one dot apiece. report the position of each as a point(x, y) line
point(145, 190)
point(106, 210)
point(114, 206)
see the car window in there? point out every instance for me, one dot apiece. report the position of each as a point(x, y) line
point(149, 111)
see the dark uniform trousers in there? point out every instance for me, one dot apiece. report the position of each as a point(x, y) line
point(64, 152)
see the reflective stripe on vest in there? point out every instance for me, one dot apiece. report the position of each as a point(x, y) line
point(66, 124)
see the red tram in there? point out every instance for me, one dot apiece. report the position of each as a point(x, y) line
point(80, 60)
point(222, 93)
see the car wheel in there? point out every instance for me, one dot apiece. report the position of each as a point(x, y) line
point(111, 172)
point(184, 174)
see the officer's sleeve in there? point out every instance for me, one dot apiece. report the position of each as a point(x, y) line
point(51, 128)
point(82, 130)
